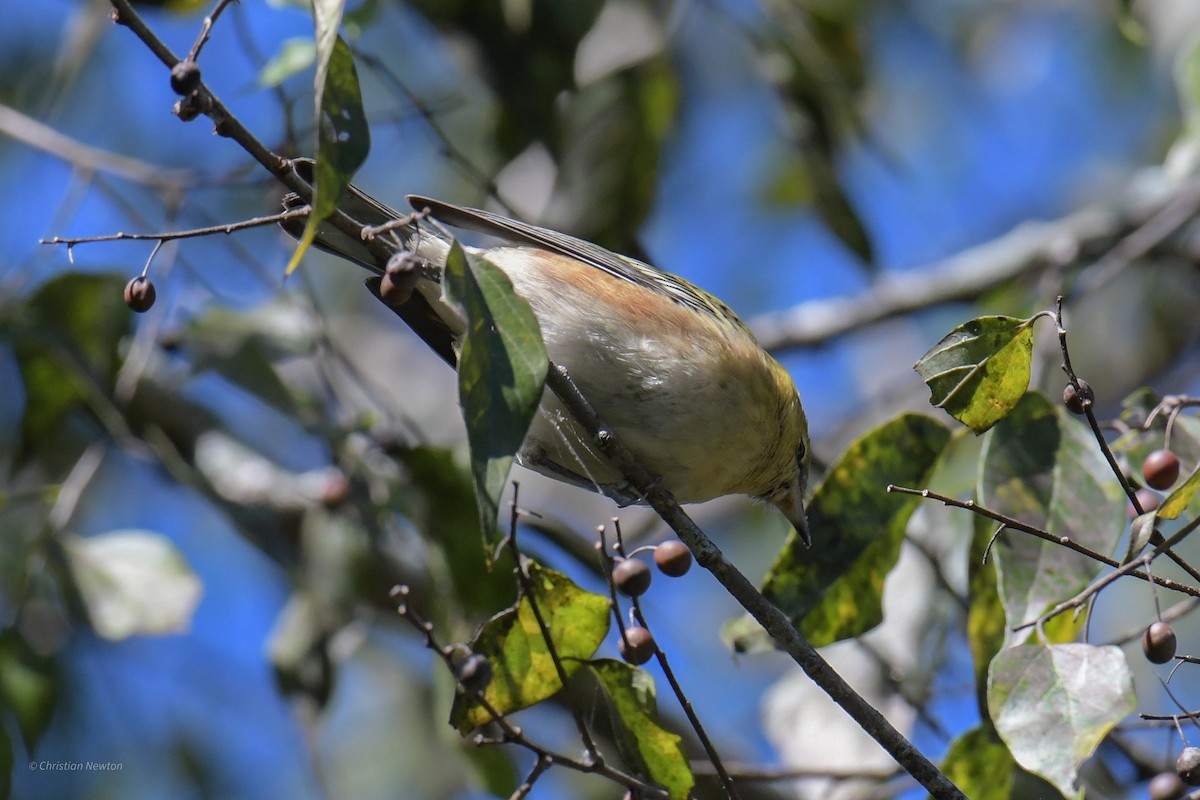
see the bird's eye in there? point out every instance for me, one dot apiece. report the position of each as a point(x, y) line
point(800, 451)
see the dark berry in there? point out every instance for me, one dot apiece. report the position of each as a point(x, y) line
point(1167, 786)
point(1161, 469)
point(673, 558)
point(1187, 766)
point(399, 278)
point(185, 77)
point(631, 577)
point(1158, 642)
point(393, 293)
point(1074, 399)
point(140, 294)
point(638, 645)
point(475, 673)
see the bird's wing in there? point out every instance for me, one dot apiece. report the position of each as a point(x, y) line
point(623, 267)
point(518, 232)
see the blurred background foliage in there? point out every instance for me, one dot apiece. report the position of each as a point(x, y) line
point(204, 507)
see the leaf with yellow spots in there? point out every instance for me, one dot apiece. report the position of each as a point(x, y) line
point(980, 370)
point(834, 590)
point(523, 671)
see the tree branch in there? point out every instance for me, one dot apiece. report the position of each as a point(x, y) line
point(42, 137)
point(1115, 234)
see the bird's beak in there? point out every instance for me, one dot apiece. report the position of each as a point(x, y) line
point(791, 503)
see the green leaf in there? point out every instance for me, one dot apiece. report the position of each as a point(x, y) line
point(28, 687)
point(293, 56)
point(986, 628)
point(1178, 500)
point(133, 582)
point(501, 371)
point(343, 136)
point(839, 215)
point(1140, 532)
point(1054, 704)
point(980, 370)
point(244, 348)
point(608, 141)
point(1043, 468)
point(67, 344)
point(523, 671)
point(652, 751)
point(980, 765)
point(298, 649)
point(492, 769)
point(834, 590)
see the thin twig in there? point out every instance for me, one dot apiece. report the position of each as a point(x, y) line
point(1173, 613)
point(166, 236)
point(227, 124)
point(689, 711)
point(206, 29)
point(526, 587)
point(511, 733)
point(1065, 541)
point(1104, 580)
point(449, 149)
point(1090, 413)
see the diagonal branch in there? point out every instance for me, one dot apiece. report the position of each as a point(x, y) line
point(29, 131)
point(774, 621)
point(1114, 234)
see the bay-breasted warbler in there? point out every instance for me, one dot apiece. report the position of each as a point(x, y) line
point(670, 368)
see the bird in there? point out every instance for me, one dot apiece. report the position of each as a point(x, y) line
point(672, 370)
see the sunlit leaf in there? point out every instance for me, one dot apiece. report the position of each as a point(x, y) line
point(656, 752)
point(185, 6)
point(501, 372)
point(1054, 704)
point(835, 588)
point(980, 765)
point(980, 370)
point(523, 671)
point(1180, 498)
point(1043, 468)
point(133, 583)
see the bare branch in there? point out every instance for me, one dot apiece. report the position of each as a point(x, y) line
point(213, 230)
point(85, 157)
point(1137, 223)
